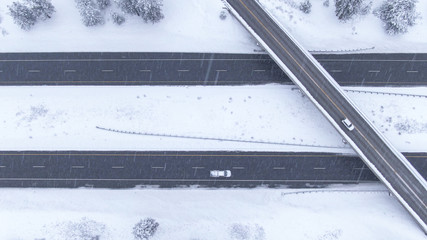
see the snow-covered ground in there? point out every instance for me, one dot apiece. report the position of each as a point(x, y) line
point(65, 118)
point(257, 214)
point(195, 26)
point(320, 30)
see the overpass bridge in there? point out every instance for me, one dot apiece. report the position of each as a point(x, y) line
point(388, 164)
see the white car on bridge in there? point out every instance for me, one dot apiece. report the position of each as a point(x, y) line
point(348, 124)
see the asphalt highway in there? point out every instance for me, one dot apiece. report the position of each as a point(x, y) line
point(170, 169)
point(390, 166)
point(201, 69)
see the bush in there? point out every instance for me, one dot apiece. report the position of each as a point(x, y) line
point(90, 13)
point(239, 231)
point(397, 15)
point(223, 15)
point(85, 229)
point(145, 229)
point(117, 18)
point(326, 3)
point(305, 6)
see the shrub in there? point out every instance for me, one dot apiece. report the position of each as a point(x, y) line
point(305, 6)
point(117, 18)
point(223, 15)
point(145, 229)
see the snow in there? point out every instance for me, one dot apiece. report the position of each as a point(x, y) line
point(208, 214)
point(188, 26)
point(364, 32)
point(66, 118)
point(195, 26)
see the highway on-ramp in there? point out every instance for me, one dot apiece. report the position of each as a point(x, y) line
point(390, 166)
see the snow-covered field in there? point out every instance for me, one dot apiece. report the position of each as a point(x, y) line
point(65, 118)
point(195, 26)
point(257, 214)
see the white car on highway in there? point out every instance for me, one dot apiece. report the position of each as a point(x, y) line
point(220, 173)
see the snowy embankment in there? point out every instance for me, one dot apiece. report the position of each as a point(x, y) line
point(195, 26)
point(65, 118)
point(257, 214)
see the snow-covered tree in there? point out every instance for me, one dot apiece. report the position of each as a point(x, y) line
point(149, 10)
point(128, 6)
point(347, 9)
point(42, 9)
point(117, 18)
point(145, 229)
point(397, 15)
point(305, 6)
point(22, 15)
point(152, 10)
point(103, 4)
point(90, 13)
